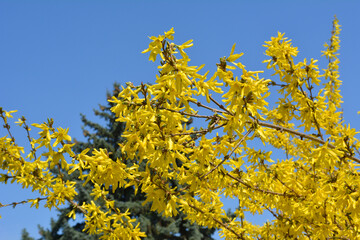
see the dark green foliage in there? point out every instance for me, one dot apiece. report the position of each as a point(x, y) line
point(108, 135)
point(25, 235)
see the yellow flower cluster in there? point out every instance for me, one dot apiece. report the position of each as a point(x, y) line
point(312, 194)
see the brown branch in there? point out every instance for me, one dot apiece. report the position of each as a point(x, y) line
point(303, 135)
point(218, 221)
point(220, 106)
point(273, 83)
point(186, 114)
point(312, 108)
point(75, 205)
point(229, 155)
point(14, 204)
point(198, 132)
point(272, 212)
point(261, 190)
point(6, 125)
point(291, 72)
point(6, 176)
point(199, 104)
point(26, 127)
point(292, 190)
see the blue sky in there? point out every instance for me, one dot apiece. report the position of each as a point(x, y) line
point(58, 58)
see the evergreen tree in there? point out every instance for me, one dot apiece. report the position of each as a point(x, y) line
point(108, 136)
point(25, 235)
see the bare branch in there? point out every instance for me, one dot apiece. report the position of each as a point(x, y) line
point(199, 104)
point(220, 106)
point(14, 204)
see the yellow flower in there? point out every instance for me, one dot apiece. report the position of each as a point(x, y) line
point(61, 135)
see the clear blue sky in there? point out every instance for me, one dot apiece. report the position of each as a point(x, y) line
point(58, 58)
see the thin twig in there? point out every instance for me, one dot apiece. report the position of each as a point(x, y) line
point(14, 204)
point(186, 114)
point(272, 212)
point(312, 108)
point(302, 135)
point(26, 127)
point(6, 125)
point(220, 106)
point(74, 204)
point(292, 190)
point(197, 132)
point(261, 190)
point(229, 155)
point(207, 107)
point(218, 221)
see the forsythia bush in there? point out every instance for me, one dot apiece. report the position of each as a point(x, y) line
point(312, 194)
